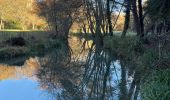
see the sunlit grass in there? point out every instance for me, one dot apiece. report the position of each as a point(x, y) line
point(27, 34)
point(35, 41)
point(16, 30)
point(116, 33)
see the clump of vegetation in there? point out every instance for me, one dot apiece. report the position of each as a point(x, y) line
point(16, 41)
point(124, 48)
point(10, 52)
point(157, 86)
point(148, 59)
point(42, 48)
point(145, 55)
point(21, 16)
point(21, 43)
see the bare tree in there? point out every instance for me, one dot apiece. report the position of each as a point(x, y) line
point(127, 18)
point(60, 15)
point(137, 11)
point(138, 17)
point(98, 15)
point(109, 18)
point(140, 10)
point(135, 16)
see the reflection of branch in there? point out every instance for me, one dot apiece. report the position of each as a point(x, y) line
point(97, 74)
point(105, 80)
point(135, 82)
point(123, 88)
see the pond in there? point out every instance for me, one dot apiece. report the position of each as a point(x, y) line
point(60, 75)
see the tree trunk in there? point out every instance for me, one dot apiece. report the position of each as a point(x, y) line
point(141, 18)
point(127, 18)
point(135, 17)
point(23, 28)
point(1, 24)
point(99, 35)
point(109, 19)
point(62, 29)
point(33, 26)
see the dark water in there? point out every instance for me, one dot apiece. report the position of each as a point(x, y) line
point(93, 74)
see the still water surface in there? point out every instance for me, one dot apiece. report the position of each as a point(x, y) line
point(21, 82)
point(91, 75)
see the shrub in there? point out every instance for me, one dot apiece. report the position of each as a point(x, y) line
point(9, 52)
point(16, 41)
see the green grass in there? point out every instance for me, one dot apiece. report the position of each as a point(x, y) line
point(10, 52)
point(17, 30)
point(37, 43)
point(145, 58)
point(34, 42)
point(116, 33)
point(28, 35)
point(157, 86)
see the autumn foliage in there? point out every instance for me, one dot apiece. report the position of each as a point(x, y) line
point(20, 14)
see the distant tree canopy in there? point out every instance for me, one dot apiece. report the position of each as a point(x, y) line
point(158, 9)
point(19, 14)
point(60, 14)
point(158, 14)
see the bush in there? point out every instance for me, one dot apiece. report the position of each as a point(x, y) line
point(12, 25)
point(16, 41)
point(10, 52)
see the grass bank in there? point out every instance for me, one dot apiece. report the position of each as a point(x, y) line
point(150, 58)
point(35, 41)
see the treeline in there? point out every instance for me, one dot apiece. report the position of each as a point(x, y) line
point(20, 14)
point(102, 16)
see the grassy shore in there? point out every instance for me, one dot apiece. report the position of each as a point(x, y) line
point(149, 57)
point(35, 41)
point(39, 35)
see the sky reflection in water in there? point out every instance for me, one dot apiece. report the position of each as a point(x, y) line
point(22, 89)
point(18, 83)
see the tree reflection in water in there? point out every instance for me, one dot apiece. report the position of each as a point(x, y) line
point(58, 73)
point(106, 79)
point(97, 78)
point(100, 77)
